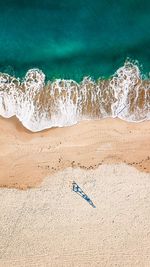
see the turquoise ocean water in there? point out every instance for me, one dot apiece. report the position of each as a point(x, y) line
point(73, 38)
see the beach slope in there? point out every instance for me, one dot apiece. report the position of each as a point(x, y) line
point(26, 158)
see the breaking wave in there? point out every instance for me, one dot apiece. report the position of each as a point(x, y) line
point(39, 105)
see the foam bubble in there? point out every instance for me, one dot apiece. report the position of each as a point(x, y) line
point(65, 102)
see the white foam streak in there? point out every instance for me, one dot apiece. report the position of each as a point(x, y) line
point(64, 102)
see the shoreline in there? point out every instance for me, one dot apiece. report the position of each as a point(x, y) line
point(50, 225)
point(40, 105)
point(26, 158)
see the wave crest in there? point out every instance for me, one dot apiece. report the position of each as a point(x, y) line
point(65, 102)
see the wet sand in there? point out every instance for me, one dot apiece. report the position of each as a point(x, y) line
point(26, 158)
point(50, 225)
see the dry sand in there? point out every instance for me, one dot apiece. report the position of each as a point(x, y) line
point(50, 225)
point(27, 158)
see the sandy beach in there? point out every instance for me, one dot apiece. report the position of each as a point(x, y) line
point(53, 226)
point(26, 158)
point(47, 224)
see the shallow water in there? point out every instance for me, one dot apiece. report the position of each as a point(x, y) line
point(39, 105)
point(73, 38)
point(69, 57)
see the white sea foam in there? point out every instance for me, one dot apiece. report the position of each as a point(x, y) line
point(65, 102)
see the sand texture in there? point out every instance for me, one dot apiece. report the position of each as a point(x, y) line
point(48, 224)
point(27, 158)
point(52, 226)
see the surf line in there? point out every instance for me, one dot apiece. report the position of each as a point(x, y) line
point(76, 188)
